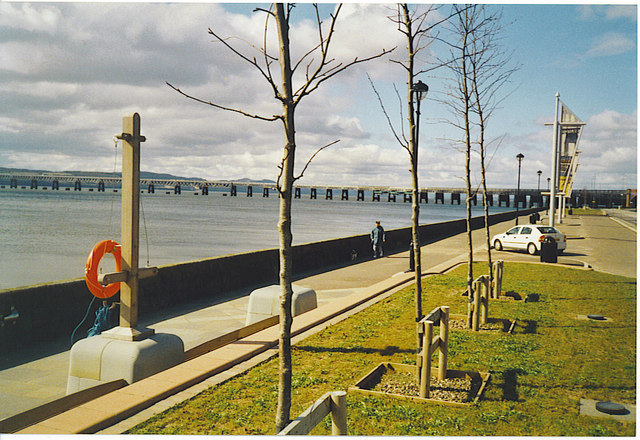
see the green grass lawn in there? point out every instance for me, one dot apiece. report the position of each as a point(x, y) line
point(539, 372)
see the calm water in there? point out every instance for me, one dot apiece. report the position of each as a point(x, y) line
point(46, 235)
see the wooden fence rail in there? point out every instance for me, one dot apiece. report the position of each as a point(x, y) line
point(478, 306)
point(334, 403)
point(440, 315)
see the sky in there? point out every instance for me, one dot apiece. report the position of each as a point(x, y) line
point(70, 71)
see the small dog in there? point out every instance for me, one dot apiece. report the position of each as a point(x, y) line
point(354, 255)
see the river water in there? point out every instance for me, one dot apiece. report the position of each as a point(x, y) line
point(47, 235)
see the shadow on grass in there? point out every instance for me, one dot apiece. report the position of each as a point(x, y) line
point(510, 384)
point(389, 350)
point(530, 327)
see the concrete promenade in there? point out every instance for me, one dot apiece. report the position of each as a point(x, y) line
point(39, 377)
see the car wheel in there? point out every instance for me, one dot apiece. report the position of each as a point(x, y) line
point(531, 248)
point(497, 245)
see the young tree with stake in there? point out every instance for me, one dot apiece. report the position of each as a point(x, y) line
point(319, 67)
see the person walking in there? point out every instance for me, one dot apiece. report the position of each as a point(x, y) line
point(377, 238)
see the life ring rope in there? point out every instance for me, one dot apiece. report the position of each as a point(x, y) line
point(93, 263)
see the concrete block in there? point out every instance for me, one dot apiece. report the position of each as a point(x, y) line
point(265, 302)
point(101, 359)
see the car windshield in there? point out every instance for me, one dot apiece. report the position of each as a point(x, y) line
point(547, 230)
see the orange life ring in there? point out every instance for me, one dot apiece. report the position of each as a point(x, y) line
point(91, 269)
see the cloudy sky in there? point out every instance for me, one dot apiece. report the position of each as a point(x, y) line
point(70, 71)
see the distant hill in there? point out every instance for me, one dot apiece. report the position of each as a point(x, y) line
point(143, 175)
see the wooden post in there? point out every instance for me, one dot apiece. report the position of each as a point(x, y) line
point(498, 267)
point(425, 372)
point(444, 343)
point(475, 322)
point(129, 234)
point(484, 298)
point(130, 219)
point(339, 413)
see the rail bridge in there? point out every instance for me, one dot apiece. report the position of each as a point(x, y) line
point(498, 196)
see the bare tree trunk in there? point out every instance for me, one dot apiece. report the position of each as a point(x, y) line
point(485, 204)
point(413, 154)
point(466, 95)
point(284, 224)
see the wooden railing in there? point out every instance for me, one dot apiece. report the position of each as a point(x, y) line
point(440, 315)
point(333, 403)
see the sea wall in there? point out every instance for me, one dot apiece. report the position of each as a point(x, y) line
point(53, 310)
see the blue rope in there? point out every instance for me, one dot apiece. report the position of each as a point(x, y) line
point(83, 319)
point(102, 322)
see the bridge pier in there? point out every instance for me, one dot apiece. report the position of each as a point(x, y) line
point(151, 188)
point(537, 200)
point(233, 191)
point(296, 193)
point(55, 185)
point(101, 186)
point(77, 186)
point(34, 184)
point(360, 195)
point(474, 199)
point(204, 190)
point(455, 197)
point(313, 194)
point(265, 192)
point(249, 191)
point(489, 199)
point(407, 198)
point(14, 183)
point(328, 194)
point(391, 197)
point(520, 200)
point(345, 194)
point(177, 189)
point(424, 196)
point(504, 198)
point(440, 197)
point(375, 196)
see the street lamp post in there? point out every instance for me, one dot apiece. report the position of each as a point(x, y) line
point(421, 90)
point(520, 156)
point(539, 174)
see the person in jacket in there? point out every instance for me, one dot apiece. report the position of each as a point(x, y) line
point(377, 239)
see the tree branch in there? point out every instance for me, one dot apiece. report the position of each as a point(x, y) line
point(235, 110)
point(312, 157)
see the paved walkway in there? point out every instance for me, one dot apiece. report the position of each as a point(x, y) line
point(598, 241)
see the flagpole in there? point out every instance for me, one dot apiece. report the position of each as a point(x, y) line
point(554, 167)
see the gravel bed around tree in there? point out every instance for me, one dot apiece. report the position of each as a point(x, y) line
point(459, 324)
point(460, 390)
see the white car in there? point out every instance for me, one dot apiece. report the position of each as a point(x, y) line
point(529, 238)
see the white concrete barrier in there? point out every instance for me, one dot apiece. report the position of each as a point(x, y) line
point(265, 302)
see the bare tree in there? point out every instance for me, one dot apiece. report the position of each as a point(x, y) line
point(318, 67)
point(491, 70)
point(417, 30)
point(461, 102)
point(479, 70)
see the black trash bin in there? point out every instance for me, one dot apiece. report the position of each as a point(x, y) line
point(549, 250)
point(532, 219)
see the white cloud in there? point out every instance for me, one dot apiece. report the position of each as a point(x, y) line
point(609, 12)
point(612, 43)
point(622, 11)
